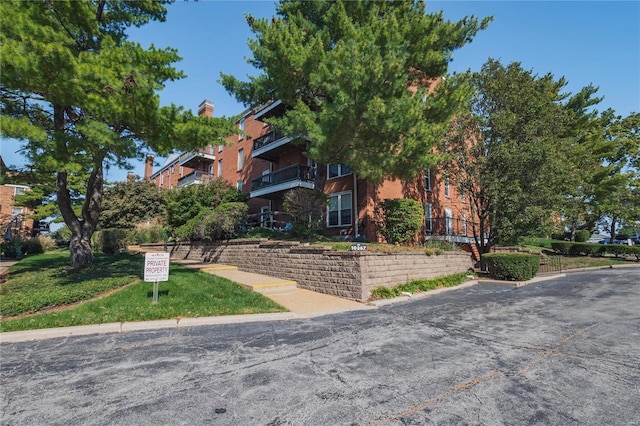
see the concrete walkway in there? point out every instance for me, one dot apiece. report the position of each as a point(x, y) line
point(303, 303)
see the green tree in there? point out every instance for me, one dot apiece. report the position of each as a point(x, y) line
point(81, 98)
point(127, 203)
point(511, 155)
point(358, 78)
point(184, 204)
point(307, 208)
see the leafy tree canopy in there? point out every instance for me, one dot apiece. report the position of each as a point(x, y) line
point(81, 97)
point(128, 203)
point(362, 80)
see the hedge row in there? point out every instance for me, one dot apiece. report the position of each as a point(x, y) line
point(512, 266)
point(594, 249)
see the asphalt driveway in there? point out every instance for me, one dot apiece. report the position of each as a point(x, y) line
point(559, 352)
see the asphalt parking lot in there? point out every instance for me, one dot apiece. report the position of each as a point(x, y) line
point(558, 352)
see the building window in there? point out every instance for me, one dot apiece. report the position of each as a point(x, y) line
point(428, 214)
point(447, 187)
point(220, 148)
point(220, 167)
point(448, 221)
point(339, 209)
point(337, 170)
point(162, 179)
point(16, 211)
point(463, 196)
point(239, 185)
point(241, 127)
point(19, 190)
point(463, 221)
point(240, 159)
point(181, 171)
point(265, 216)
point(427, 180)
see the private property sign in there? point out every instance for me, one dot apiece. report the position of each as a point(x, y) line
point(156, 267)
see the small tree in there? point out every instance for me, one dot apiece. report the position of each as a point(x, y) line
point(400, 219)
point(126, 204)
point(307, 209)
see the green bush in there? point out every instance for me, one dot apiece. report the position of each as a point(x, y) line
point(146, 234)
point(585, 249)
point(306, 208)
point(562, 247)
point(617, 249)
point(112, 240)
point(400, 219)
point(582, 236)
point(32, 246)
point(222, 223)
point(512, 266)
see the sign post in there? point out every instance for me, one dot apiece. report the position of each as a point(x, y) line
point(156, 268)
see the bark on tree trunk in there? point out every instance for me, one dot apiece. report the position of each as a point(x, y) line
point(81, 251)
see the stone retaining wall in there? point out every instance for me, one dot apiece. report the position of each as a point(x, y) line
point(347, 274)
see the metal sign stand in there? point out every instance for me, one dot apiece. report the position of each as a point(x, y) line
point(155, 291)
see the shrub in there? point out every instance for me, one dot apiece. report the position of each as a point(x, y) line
point(417, 286)
point(561, 247)
point(585, 249)
point(617, 249)
point(112, 240)
point(222, 223)
point(306, 208)
point(512, 266)
point(400, 219)
point(582, 236)
point(146, 234)
point(32, 246)
point(265, 232)
point(440, 245)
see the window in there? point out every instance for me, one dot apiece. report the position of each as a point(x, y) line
point(447, 188)
point(265, 215)
point(220, 167)
point(428, 214)
point(16, 211)
point(339, 210)
point(181, 171)
point(427, 180)
point(463, 196)
point(239, 185)
point(464, 224)
point(210, 171)
point(241, 127)
point(240, 159)
point(448, 220)
point(162, 179)
point(337, 170)
point(220, 148)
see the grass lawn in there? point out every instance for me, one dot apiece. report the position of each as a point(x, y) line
point(43, 292)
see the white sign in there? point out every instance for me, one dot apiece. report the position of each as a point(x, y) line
point(156, 267)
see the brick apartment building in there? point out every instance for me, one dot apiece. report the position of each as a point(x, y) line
point(13, 218)
point(266, 164)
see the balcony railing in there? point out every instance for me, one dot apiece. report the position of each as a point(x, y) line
point(266, 139)
point(193, 158)
point(290, 177)
point(456, 229)
point(196, 177)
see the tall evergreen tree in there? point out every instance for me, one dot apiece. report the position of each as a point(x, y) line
point(358, 78)
point(82, 97)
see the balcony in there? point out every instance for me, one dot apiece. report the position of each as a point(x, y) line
point(449, 229)
point(272, 185)
point(193, 159)
point(271, 145)
point(194, 178)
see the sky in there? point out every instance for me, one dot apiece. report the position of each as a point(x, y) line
point(587, 42)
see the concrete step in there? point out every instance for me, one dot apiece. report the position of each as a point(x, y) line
point(256, 282)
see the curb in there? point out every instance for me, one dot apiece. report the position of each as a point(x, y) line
point(119, 328)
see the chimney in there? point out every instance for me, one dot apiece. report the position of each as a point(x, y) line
point(131, 176)
point(148, 166)
point(206, 108)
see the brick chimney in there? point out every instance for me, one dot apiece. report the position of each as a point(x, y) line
point(206, 108)
point(148, 166)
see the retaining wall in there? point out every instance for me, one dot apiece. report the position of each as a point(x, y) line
point(347, 274)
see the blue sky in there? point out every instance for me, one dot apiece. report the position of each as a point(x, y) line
point(588, 42)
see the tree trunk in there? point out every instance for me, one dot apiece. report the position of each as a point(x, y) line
point(81, 251)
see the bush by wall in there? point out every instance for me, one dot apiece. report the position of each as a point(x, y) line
point(400, 219)
point(512, 266)
point(111, 240)
point(582, 236)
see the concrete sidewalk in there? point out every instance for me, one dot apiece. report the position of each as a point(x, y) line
point(303, 303)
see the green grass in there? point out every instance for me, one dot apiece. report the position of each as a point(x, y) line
point(418, 286)
point(44, 282)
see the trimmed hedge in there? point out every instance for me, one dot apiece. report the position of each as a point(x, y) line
point(512, 266)
point(594, 249)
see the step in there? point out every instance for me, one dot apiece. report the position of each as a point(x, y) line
point(255, 282)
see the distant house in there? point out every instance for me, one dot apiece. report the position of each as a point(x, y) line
point(265, 164)
point(13, 217)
